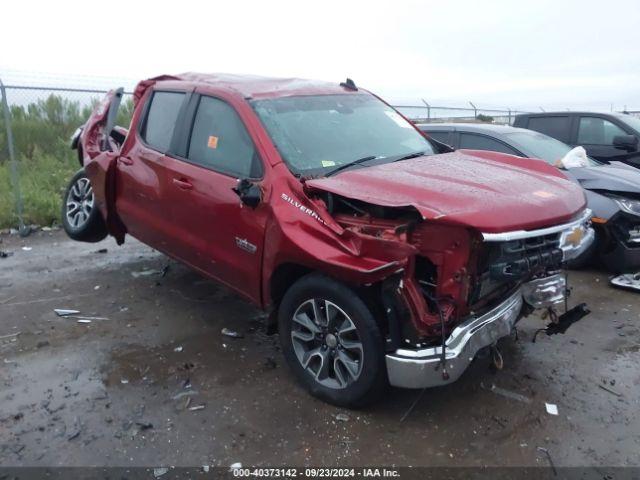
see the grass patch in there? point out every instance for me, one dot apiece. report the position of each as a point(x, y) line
point(43, 180)
point(41, 132)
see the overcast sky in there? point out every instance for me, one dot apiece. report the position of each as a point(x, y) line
point(517, 54)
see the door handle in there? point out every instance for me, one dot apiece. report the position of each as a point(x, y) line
point(183, 184)
point(126, 161)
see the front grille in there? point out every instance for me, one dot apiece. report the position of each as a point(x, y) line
point(519, 258)
point(503, 265)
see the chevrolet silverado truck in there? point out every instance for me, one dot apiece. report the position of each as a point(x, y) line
point(379, 260)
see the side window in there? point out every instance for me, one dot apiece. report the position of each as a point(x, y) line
point(220, 141)
point(161, 119)
point(481, 142)
point(556, 127)
point(597, 131)
point(440, 136)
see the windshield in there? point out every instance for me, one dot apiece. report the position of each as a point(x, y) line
point(538, 145)
point(319, 133)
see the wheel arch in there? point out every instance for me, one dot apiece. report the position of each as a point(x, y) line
point(286, 274)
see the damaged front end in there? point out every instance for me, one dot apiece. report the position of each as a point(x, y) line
point(455, 290)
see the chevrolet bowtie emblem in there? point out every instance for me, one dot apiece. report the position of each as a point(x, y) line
point(575, 237)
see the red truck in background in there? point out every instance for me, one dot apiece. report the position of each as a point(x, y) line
point(380, 260)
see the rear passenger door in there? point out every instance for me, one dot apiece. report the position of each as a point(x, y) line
point(596, 135)
point(142, 170)
point(215, 232)
point(559, 127)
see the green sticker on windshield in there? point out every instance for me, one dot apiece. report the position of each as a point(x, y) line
point(328, 163)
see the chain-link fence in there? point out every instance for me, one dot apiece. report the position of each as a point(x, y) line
point(427, 113)
point(36, 125)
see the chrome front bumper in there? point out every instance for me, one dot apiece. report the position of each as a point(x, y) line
point(423, 368)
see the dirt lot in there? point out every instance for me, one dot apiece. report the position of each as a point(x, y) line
point(122, 390)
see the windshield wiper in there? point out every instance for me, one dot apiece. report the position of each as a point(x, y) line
point(347, 165)
point(409, 155)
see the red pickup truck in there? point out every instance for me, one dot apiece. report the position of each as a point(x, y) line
point(380, 260)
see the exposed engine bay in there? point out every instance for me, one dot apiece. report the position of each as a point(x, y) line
point(453, 273)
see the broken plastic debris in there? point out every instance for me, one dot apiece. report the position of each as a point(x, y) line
point(124, 381)
point(342, 417)
point(27, 249)
point(197, 407)
point(159, 471)
point(507, 393)
point(552, 408)
point(146, 273)
point(187, 393)
point(610, 390)
point(231, 333)
point(627, 280)
point(77, 429)
point(11, 335)
point(74, 314)
point(178, 349)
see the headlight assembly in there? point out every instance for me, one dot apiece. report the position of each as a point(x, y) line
point(628, 205)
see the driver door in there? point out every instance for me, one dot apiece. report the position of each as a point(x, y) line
point(219, 235)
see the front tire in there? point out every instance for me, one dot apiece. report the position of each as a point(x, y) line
point(81, 218)
point(331, 342)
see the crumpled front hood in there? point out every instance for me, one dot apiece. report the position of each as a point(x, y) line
point(489, 191)
point(615, 177)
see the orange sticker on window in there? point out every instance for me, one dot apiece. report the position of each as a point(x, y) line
point(213, 142)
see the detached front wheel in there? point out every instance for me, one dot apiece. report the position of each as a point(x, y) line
point(332, 342)
point(81, 218)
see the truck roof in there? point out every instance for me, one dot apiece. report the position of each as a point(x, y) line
point(252, 86)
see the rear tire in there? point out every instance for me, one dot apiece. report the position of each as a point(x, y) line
point(331, 342)
point(81, 217)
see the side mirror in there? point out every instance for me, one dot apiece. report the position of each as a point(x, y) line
point(626, 142)
point(248, 192)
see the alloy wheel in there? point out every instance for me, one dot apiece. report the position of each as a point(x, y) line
point(79, 203)
point(326, 343)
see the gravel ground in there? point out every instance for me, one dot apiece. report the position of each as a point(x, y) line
point(152, 381)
